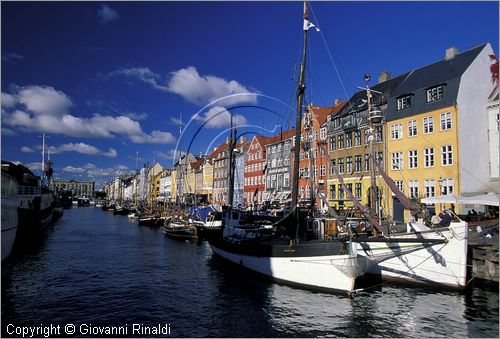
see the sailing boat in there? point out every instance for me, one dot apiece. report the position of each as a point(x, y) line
point(422, 255)
point(275, 249)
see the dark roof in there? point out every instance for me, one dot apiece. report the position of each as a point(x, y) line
point(444, 72)
point(358, 101)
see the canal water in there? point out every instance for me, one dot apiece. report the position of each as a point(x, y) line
point(93, 272)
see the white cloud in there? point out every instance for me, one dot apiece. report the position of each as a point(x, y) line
point(93, 171)
point(193, 87)
point(8, 100)
point(219, 117)
point(203, 90)
point(12, 58)
point(143, 74)
point(82, 148)
point(46, 111)
point(74, 170)
point(106, 14)
point(137, 116)
point(26, 149)
point(44, 100)
point(170, 155)
point(176, 121)
point(8, 132)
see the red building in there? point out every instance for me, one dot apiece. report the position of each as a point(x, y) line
point(254, 174)
point(313, 163)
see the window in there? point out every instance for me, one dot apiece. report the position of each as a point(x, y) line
point(349, 187)
point(396, 131)
point(332, 165)
point(322, 133)
point(322, 170)
point(348, 140)
point(429, 187)
point(341, 141)
point(413, 185)
point(357, 138)
point(286, 161)
point(367, 162)
point(379, 157)
point(435, 93)
point(367, 136)
point(348, 164)
point(428, 125)
point(429, 157)
point(332, 192)
point(357, 190)
point(286, 180)
point(446, 155)
point(399, 185)
point(397, 160)
point(378, 133)
point(341, 192)
point(332, 144)
point(273, 181)
point(357, 163)
point(341, 165)
point(301, 191)
point(445, 121)
point(412, 128)
point(404, 102)
point(280, 181)
point(446, 186)
point(412, 158)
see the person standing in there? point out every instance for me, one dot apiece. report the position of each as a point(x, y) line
point(435, 220)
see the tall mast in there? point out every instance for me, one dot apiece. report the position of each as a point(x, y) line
point(373, 117)
point(232, 145)
point(298, 123)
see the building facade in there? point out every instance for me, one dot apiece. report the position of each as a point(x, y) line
point(79, 188)
point(278, 167)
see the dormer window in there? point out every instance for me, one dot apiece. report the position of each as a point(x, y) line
point(404, 102)
point(435, 93)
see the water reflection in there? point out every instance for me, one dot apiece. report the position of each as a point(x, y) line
point(93, 267)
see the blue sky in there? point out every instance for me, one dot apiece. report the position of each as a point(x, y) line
point(108, 80)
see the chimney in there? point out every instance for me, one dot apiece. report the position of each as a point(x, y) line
point(451, 53)
point(337, 101)
point(384, 76)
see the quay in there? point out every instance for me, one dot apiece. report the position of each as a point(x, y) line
point(483, 254)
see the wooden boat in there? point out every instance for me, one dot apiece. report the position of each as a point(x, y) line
point(179, 229)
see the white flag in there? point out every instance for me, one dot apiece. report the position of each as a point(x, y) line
point(308, 24)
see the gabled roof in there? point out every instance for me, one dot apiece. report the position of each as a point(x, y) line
point(195, 165)
point(445, 72)
point(288, 134)
point(321, 113)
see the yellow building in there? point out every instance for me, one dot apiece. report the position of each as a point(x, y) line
point(422, 156)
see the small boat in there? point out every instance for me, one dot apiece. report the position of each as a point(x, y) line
point(179, 229)
point(207, 220)
point(151, 220)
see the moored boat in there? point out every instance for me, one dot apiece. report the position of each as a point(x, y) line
point(179, 229)
point(9, 213)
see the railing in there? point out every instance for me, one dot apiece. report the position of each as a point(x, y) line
point(28, 190)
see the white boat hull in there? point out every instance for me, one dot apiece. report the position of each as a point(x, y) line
point(442, 264)
point(9, 214)
point(331, 272)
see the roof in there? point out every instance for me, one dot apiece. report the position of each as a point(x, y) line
point(288, 134)
point(358, 102)
point(196, 164)
point(321, 113)
point(445, 72)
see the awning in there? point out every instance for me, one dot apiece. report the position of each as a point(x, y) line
point(490, 199)
point(442, 199)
